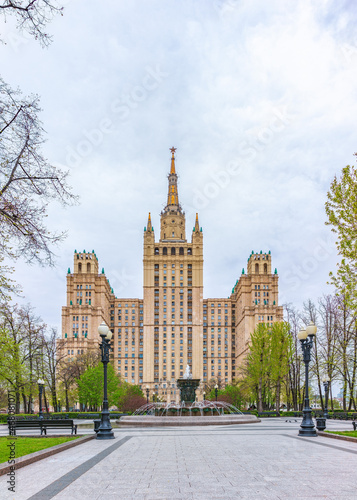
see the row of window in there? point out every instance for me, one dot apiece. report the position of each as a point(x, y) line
point(181, 250)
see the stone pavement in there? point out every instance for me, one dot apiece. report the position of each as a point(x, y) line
point(254, 461)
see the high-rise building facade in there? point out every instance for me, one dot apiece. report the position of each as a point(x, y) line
point(173, 326)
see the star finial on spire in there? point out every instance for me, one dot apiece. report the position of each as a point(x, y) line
point(173, 151)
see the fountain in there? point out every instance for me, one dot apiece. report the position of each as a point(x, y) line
point(188, 386)
point(194, 412)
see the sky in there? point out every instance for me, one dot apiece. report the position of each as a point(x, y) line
point(259, 98)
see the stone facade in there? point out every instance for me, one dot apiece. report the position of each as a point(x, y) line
point(154, 338)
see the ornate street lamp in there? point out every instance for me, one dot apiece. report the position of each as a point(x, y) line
point(41, 383)
point(306, 338)
point(147, 394)
point(105, 429)
point(216, 391)
point(204, 396)
point(326, 387)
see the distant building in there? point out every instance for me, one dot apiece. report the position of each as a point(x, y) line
point(155, 337)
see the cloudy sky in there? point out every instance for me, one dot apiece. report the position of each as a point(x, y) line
point(259, 98)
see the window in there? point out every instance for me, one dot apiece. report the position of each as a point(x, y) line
point(181, 251)
point(164, 251)
point(173, 251)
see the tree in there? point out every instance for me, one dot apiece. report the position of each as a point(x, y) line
point(257, 363)
point(281, 351)
point(20, 352)
point(32, 16)
point(66, 376)
point(7, 285)
point(27, 181)
point(91, 387)
point(52, 356)
point(341, 211)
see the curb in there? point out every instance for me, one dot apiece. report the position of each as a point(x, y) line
point(39, 455)
point(148, 421)
point(337, 436)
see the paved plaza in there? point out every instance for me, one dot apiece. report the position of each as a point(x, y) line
point(255, 461)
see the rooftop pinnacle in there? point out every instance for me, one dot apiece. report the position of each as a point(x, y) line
point(172, 196)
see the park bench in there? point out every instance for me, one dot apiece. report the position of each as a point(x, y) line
point(57, 424)
point(268, 414)
point(41, 425)
point(23, 424)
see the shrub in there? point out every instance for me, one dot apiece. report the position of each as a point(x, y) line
point(132, 402)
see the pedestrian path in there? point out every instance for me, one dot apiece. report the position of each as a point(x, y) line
point(257, 461)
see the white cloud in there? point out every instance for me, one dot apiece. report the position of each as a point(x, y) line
point(268, 87)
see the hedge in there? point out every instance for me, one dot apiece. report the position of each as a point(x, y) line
point(62, 415)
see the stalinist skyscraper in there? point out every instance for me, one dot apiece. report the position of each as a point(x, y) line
point(155, 337)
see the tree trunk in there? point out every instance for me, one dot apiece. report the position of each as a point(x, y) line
point(260, 403)
point(67, 400)
point(277, 396)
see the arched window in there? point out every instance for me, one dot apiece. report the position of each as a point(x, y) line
point(265, 268)
point(156, 251)
point(80, 267)
point(181, 251)
point(189, 251)
point(173, 251)
point(88, 267)
point(164, 251)
point(256, 268)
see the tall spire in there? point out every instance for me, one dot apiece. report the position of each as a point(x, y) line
point(173, 170)
point(172, 196)
point(197, 226)
point(149, 226)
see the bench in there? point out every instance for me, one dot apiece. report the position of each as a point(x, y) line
point(41, 425)
point(57, 424)
point(268, 414)
point(23, 424)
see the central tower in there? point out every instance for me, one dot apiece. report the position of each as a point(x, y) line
point(173, 296)
point(172, 224)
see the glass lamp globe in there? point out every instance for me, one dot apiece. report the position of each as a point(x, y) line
point(103, 329)
point(302, 335)
point(311, 329)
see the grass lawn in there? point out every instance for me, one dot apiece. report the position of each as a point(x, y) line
point(344, 433)
point(26, 445)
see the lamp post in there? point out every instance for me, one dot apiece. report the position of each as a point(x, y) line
point(41, 383)
point(147, 394)
point(326, 387)
point(216, 391)
point(306, 338)
point(204, 396)
point(105, 429)
point(59, 405)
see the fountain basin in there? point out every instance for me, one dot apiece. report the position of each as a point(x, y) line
point(166, 421)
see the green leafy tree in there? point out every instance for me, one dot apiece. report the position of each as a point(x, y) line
point(281, 352)
point(341, 211)
point(91, 386)
point(258, 363)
